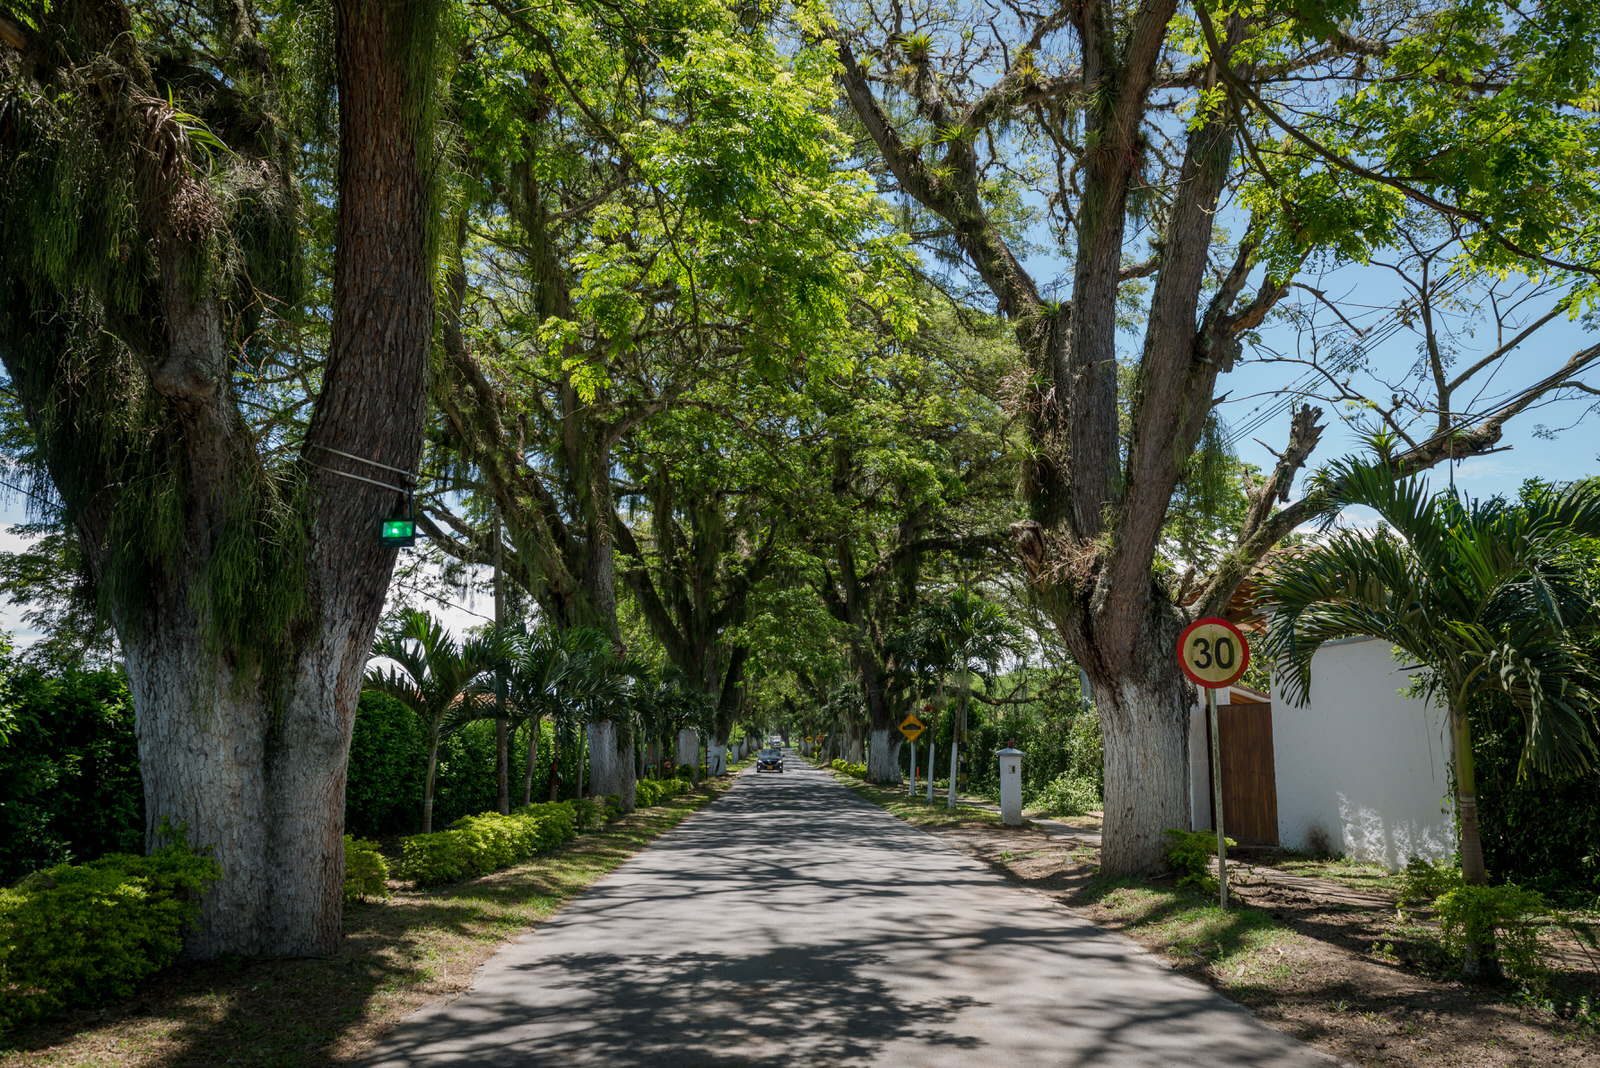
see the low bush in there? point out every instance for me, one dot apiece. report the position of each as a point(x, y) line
point(652, 792)
point(858, 771)
point(684, 771)
point(586, 811)
point(1190, 853)
point(1494, 925)
point(613, 807)
point(1497, 923)
point(1067, 795)
point(87, 933)
point(477, 845)
point(366, 873)
point(1423, 881)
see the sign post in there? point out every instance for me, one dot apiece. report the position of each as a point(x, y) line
point(1214, 654)
point(912, 728)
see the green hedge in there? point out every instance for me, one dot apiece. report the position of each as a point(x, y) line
point(82, 934)
point(651, 792)
point(477, 845)
point(69, 767)
point(859, 771)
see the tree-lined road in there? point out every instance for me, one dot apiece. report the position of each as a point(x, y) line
point(793, 923)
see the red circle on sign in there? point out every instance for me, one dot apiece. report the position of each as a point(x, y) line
point(1214, 621)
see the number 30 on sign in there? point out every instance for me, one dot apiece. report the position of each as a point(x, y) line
point(1213, 652)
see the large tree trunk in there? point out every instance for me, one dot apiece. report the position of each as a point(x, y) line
point(852, 745)
point(1146, 731)
point(611, 769)
point(688, 751)
point(247, 628)
point(881, 768)
point(883, 756)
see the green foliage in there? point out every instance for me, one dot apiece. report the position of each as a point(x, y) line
point(69, 767)
point(1067, 795)
point(366, 873)
point(1538, 831)
point(119, 211)
point(84, 934)
point(388, 751)
point(1500, 922)
point(858, 771)
point(649, 792)
point(48, 580)
point(1423, 881)
point(586, 811)
point(1189, 853)
point(1497, 923)
point(477, 845)
point(446, 683)
point(1058, 733)
point(388, 760)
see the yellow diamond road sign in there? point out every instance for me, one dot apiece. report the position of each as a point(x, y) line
point(911, 727)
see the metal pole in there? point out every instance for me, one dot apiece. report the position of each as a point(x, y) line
point(913, 790)
point(1216, 796)
point(931, 760)
point(955, 735)
point(502, 734)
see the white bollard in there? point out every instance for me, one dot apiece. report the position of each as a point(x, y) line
point(1011, 787)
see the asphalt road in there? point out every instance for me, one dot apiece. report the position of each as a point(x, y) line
point(790, 923)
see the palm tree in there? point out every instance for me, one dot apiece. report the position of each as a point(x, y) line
point(549, 672)
point(1482, 595)
point(439, 679)
point(956, 638)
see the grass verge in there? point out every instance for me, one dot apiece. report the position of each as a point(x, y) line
point(396, 956)
point(1244, 951)
point(917, 810)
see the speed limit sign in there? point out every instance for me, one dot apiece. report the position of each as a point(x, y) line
point(1213, 652)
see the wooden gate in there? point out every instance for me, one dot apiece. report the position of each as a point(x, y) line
point(1249, 777)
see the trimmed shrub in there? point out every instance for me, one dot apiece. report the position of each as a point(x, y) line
point(82, 934)
point(1067, 795)
point(587, 811)
point(685, 771)
point(613, 807)
point(1190, 854)
point(651, 792)
point(858, 771)
point(366, 873)
point(477, 845)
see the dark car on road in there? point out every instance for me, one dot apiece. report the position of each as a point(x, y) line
point(769, 760)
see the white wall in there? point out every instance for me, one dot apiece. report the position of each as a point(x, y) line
point(1361, 764)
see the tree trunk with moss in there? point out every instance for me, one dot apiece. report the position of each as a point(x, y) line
point(245, 596)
